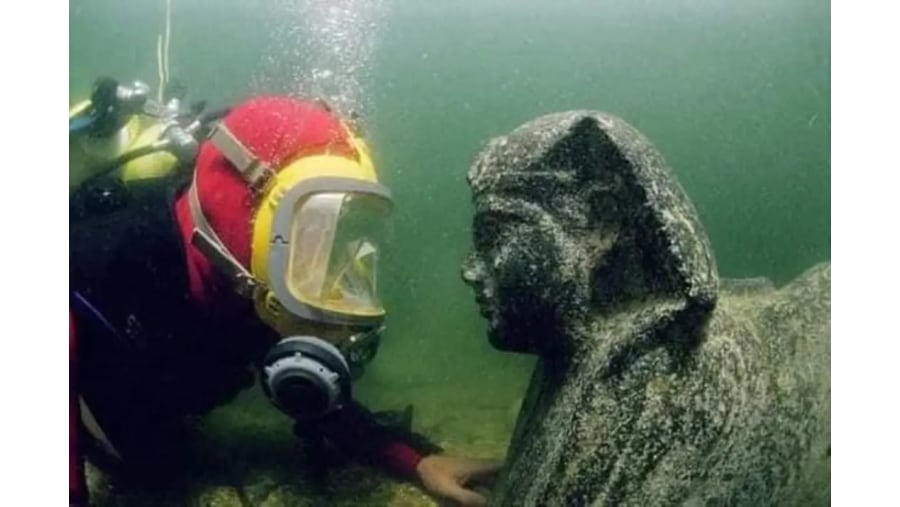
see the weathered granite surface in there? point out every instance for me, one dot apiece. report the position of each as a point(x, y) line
point(658, 384)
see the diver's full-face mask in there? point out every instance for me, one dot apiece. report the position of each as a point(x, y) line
point(317, 235)
point(324, 247)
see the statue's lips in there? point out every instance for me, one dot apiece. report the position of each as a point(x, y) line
point(483, 302)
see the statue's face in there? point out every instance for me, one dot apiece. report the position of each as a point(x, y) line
point(577, 217)
point(514, 272)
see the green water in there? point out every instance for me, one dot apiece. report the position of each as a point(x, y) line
point(736, 95)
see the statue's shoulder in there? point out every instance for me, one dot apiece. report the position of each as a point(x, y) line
point(815, 279)
point(746, 286)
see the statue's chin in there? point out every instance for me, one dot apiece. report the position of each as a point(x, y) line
point(507, 339)
point(495, 336)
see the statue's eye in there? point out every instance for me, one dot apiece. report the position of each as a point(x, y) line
point(492, 226)
point(485, 231)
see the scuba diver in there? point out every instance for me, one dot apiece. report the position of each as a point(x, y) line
point(207, 249)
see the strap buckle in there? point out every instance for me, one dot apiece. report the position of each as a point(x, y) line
point(256, 173)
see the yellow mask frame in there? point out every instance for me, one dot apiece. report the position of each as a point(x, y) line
point(279, 192)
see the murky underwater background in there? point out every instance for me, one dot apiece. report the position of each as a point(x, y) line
point(736, 95)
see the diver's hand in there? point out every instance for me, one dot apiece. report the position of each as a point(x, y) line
point(446, 477)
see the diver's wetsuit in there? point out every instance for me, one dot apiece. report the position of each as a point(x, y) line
point(146, 355)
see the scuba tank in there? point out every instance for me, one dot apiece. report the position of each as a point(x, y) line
point(121, 136)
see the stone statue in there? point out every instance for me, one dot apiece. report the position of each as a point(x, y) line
point(658, 383)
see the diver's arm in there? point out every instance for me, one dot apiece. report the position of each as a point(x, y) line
point(356, 432)
point(78, 492)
